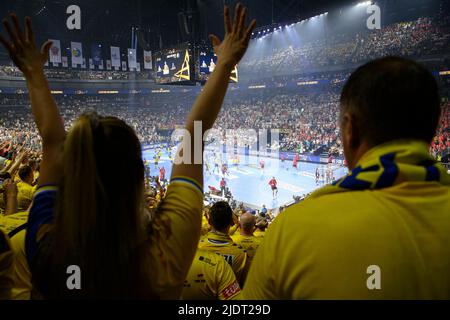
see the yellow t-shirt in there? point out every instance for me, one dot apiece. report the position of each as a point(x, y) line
point(25, 194)
point(233, 254)
point(259, 234)
point(21, 274)
point(249, 243)
point(205, 226)
point(13, 221)
point(233, 230)
point(173, 242)
point(6, 261)
point(210, 278)
point(325, 248)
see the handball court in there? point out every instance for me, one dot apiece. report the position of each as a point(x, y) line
point(247, 182)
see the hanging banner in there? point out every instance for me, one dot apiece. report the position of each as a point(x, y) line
point(138, 66)
point(91, 64)
point(55, 52)
point(108, 64)
point(77, 52)
point(148, 60)
point(65, 62)
point(131, 59)
point(124, 66)
point(115, 56)
point(83, 63)
point(96, 53)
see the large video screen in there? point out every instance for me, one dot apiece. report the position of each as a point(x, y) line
point(173, 65)
point(207, 61)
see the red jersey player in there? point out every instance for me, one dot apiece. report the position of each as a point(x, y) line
point(295, 161)
point(162, 174)
point(273, 186)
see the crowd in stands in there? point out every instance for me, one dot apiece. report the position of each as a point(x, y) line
point(421, 37)
point(74, 74)
point(308, 123)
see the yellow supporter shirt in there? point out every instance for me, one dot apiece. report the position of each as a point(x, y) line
point(249, 243)
point(6, 261)
point(388, 243)
point(259, 234)
point(21, 277)
point(13, 221)
point(173, 242)
point(205, 226)
point(21, 274)
point(210, 278)
point(25, 194)
point(233, 254)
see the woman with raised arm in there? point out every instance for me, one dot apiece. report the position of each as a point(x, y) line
point(88, 209)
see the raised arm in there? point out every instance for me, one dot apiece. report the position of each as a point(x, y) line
point(209, 102)
point(30, 60)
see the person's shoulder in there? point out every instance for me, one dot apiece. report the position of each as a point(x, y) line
point(324, 206)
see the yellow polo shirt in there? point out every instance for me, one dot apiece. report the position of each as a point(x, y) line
point(325, 248)
point(210, 278)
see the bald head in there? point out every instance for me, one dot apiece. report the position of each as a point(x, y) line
point(247, 222)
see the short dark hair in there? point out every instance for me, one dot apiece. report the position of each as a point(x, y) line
point(392, 98)
point(220, 215)
point(24, 172)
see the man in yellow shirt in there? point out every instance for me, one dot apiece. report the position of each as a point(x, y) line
point(218, 240)
point(6, 261)
point(15, 226)
point(25, 188)
point(383, 231)
point(245, 237)
point(210, 278)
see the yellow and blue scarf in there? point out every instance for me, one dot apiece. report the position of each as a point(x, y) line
point(388, 165)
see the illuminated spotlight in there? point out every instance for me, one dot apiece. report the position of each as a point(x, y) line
point(268, 30)
point(365, 3)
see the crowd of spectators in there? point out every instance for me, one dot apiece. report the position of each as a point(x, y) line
point(308, 123)
point(74, 74)
point(419, 38)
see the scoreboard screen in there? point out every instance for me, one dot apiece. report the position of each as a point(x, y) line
point(207, 61)
point(173, 65)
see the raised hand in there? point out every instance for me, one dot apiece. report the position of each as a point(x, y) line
point(22, 47)
point(237, 37)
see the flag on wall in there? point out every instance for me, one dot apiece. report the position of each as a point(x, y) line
point(131, 58)
point(148, 60)
point(55, 51)
point(77, 52)
point(96, 53)
point(115, 56)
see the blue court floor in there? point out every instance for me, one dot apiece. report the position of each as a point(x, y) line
point(249, 184)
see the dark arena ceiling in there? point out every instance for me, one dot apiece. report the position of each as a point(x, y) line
point(163, 23)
